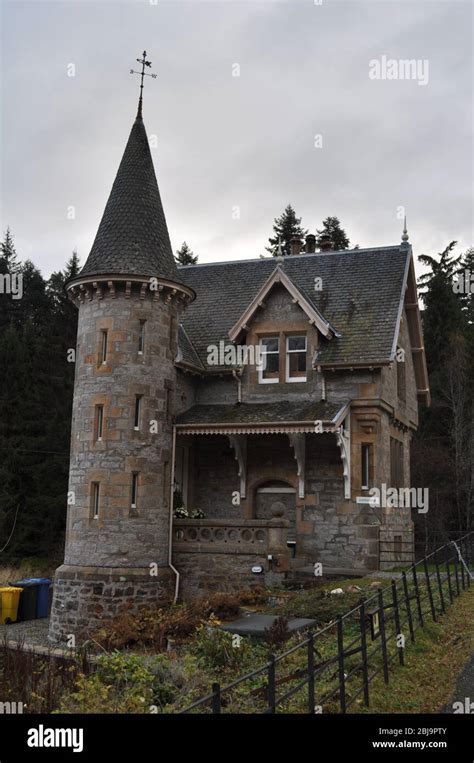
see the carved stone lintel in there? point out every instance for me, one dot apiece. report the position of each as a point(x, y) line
point(297, 442)
point(239, 445)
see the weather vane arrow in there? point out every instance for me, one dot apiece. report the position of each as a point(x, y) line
point(143, 61)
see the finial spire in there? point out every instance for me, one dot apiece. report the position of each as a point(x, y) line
point(405, 236)
point(143, 61)
point(279, 250)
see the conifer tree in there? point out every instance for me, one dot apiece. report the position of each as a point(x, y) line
point(285, 227)
point(332, 228)
point(184, 255)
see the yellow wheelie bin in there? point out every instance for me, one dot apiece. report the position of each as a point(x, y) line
point(9, 600)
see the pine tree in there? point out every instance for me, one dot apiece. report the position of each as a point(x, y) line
point(9, 268)
point(8, 258)
point(443, 445)
point(185, 256)
point(285, 227)
point(332, 228)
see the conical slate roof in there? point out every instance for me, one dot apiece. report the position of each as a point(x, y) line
point(133, 236)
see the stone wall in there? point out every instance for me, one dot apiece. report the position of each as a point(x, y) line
point(121, 536)
point(86, 597)
point(218, 555)
point(214, 477)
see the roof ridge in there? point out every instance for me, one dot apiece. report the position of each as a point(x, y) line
point(395, 247)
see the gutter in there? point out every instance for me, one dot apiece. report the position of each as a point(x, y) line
point(238, 377)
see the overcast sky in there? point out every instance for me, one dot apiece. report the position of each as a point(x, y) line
point(248, 142)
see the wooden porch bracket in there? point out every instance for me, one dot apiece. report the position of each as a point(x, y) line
point(343, 435)
point(238, 443)
point(297, 442)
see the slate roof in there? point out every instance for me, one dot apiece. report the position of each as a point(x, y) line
point(186, 352)
point(133, 238)
point(361, 297)
point(260, 413)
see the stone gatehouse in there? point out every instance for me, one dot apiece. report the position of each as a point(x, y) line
point(278, 456)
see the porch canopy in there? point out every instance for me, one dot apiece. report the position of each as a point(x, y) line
point(262, 418)
point(295, 419)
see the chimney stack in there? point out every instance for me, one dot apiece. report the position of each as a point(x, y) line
point(325, 243)
point(310, 243)
point(295, 245)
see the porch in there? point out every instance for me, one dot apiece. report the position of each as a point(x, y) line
point(249, 463)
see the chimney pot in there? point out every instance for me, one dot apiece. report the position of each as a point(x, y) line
point(295, 245)
point(325, 243)
point(310, 243)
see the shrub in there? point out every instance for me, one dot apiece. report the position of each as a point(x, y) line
point(215, 648)
point(221, 605)
point(278, 632)
point(147, 627)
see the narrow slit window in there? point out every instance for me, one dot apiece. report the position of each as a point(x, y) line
point(269, 370)
point(134, 489)
point(296, 359)
point(365, 466)
point(138, 405)
point(99, 422)
point(103, 346)
point(95, 493)
point(141, 338)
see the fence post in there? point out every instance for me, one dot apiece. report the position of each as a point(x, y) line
point(448, 572)
point(401, 657)
point(383, 639)
point(460, 557)
point(465, 554)
point(271, 684)
point(440, 585)
point(456, 572)
point(417, 594)
point(340, 656)
point(363, 646)
point(428, 587)
point(311, 673)
point(216, 698)
point(408, 607)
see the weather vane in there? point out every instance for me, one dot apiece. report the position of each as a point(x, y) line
point(144, 63)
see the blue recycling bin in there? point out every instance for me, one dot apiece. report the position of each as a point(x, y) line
point(42, 600)
point(42, 594)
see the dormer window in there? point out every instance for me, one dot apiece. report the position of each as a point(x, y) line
point(296, 358)
point(269, 372)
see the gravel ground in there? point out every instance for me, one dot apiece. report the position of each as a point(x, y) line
point(31, 631)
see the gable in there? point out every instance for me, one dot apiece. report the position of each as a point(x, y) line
point(279, 279)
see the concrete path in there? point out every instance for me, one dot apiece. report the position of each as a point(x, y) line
point(464, 692)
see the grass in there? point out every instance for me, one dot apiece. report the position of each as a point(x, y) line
point(33, 567)
point(432, 664)
point(142, 674)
